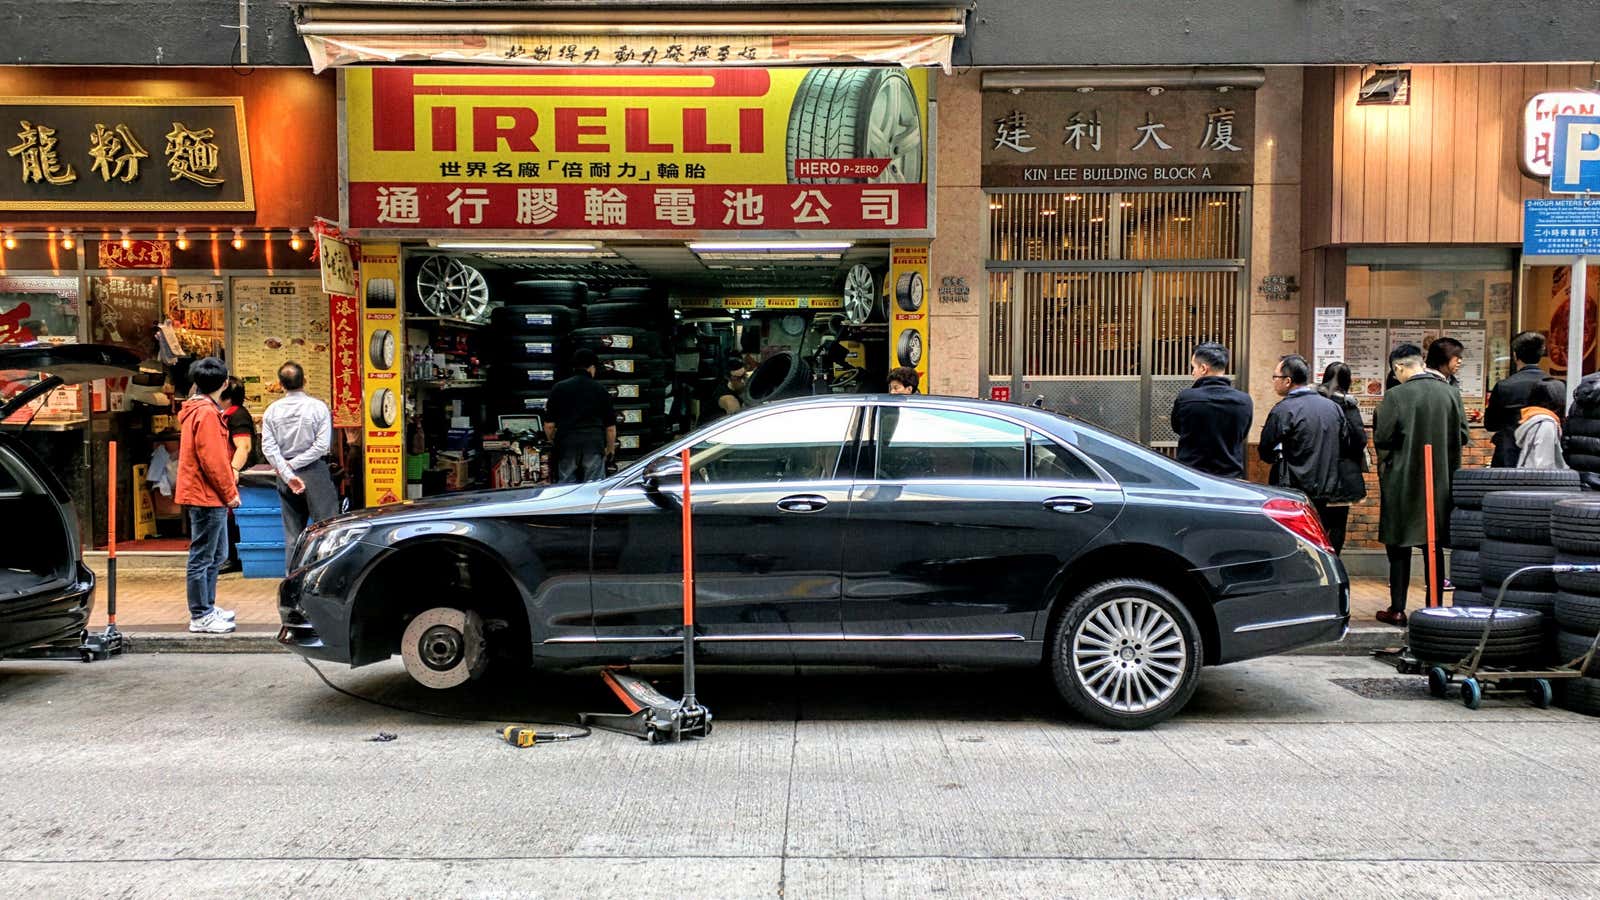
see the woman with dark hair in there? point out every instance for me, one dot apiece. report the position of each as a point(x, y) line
point(246, 453)
point(1352, 454)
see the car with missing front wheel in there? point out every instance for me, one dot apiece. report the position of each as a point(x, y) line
point(844, 529)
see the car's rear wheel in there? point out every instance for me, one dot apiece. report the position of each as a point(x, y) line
point(444, 647)
point(1126, 654)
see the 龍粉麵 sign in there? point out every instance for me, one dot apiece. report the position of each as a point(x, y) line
point(124, 153)
point(625, 150)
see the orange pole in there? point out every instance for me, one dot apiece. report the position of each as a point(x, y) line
point(688, 549)
point(111, 533)
point(1433, 575)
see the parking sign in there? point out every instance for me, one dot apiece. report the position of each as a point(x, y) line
point(1575, 156)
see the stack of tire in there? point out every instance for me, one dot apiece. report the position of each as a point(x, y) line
point(628, 330)
point(530, 343)
point(1499, 524)
point(1575, 531)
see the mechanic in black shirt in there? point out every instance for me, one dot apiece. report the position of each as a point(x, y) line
point(581, 423)
point(728, 398)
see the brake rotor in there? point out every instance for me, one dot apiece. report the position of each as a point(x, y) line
point(444, 647)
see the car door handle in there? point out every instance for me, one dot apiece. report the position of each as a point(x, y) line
point(803, 503)
point(1069, 504)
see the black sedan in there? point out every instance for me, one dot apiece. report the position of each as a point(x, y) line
point(835, 530)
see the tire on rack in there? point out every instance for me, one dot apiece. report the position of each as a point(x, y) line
point(1466, 528)
point(632, 293)
point(1498, 559)
point(1468, 486)
point(856, 113)
point(523, 403)
point(1575, 582)
point(1577, 613)
point(1520, 516)
point(628, 314)
point(779, 376)
point(643, 366)
point(1570, 646)
point(1465, 571)
point(530, 319)
point(549, 293)
point(546, 349)
point(525, 376)
point(617, 338)
point(1459, 597)
point(1092, 657)
point(1575, 525)
point(1580, 695)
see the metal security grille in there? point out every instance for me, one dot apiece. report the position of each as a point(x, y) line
point(1096, 299)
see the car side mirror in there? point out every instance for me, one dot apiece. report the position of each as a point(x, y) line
point(663, 470)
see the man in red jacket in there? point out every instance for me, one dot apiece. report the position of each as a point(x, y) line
point(208, 486)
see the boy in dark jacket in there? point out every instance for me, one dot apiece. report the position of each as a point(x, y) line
point(1212, 418)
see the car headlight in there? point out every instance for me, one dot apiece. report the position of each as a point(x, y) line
point(326, 544)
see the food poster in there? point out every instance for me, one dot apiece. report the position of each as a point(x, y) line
point(1366, 352)
point(276, 320)
point(1474, 337)
point(125, 311)
point(197, 309)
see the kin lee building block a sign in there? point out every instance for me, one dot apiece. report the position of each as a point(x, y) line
point(630, 151)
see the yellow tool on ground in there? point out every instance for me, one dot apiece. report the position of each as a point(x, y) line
point(523, 736)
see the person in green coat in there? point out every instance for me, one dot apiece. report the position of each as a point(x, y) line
point(1422, 409)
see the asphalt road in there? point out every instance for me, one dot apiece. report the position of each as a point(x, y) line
point(199, 775)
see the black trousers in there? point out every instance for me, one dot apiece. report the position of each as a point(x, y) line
point(1335, 521)
point(580, 456)
point(1400, 573)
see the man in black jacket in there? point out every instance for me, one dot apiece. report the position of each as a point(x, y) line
point(1212, 418)
point(1303, 435)
point(1510, 395)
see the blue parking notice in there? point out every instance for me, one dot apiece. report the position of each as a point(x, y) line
point(1561, 227)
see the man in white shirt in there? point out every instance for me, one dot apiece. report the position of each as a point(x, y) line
point(296, 432)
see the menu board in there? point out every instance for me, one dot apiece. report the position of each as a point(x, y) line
point(1474, 337)
point(196, 309)
point(276, 320)
point(126, 311)
point(1366, 352)
point(1421, 332)
point(1327, 338)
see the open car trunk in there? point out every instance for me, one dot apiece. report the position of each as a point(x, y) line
point(45, 592)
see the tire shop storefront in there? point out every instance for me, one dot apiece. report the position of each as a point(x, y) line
point(676, 218)
point(166, 212)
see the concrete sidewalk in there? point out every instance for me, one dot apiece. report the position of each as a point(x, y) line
point(152, 611)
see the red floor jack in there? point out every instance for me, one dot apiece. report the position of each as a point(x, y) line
point(652, 716)
point(110, 642)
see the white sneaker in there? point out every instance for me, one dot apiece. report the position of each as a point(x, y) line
point(211, 623)
point(224, 613)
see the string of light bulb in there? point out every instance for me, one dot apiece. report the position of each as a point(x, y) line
point(67, 238)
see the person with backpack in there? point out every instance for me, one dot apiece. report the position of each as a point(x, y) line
point(1353, 465)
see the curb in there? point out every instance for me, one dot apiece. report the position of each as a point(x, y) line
point(1358, 642)
point(185, 642)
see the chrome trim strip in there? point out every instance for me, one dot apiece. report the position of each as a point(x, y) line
point(1286, 623)
point(763, 638)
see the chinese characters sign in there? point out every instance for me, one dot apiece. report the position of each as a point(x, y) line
point(1538, 125)
point(123, 153)
point(137, 255)
point(693, 150)
point(346, 321)
point(1118, 138)
point(338, 267)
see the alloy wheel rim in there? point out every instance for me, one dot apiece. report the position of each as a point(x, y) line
point(1129, 655)
point(859, 294)
point(449, 287)
point(894, 131)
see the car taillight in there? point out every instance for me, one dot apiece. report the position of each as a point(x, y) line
point(1300, 519)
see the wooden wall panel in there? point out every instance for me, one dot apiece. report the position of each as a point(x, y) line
point(1442, 170)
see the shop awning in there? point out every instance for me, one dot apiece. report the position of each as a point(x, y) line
point(636, 33)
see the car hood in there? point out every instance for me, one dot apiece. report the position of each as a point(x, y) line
point(470, 502)
point(64, 363)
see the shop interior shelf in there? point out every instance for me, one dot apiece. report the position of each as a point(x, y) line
point(460, 385)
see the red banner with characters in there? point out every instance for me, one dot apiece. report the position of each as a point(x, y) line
point(345, 323)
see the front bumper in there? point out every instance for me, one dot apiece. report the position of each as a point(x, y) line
point(54, 616)
point(314, 604)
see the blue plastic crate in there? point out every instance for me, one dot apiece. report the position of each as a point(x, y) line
point(263, 560)
point(259, 526)
point(251, 497)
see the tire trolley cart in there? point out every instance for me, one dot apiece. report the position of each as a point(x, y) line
point(1477, 679)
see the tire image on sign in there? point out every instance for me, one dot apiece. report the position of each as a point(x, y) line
point(857, 113)
point(908, 349)
point(909, 291)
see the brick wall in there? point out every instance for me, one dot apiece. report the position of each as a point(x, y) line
point(1362, 532)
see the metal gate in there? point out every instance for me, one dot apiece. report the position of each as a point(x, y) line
point(1096, 299)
